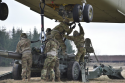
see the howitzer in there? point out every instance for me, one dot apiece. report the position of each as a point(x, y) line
point(37, 62)
point(68, 66)
point(10, 54)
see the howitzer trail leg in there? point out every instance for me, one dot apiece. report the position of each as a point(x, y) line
point(83, 71)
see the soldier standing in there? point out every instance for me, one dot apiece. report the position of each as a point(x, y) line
point(59, 31)
point(51, 49)
point(57, 71)
point(23, 47)
point(78, 39)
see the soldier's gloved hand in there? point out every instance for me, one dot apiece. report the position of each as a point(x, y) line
point(71, 23)
point(79, 24)
point(74, 26)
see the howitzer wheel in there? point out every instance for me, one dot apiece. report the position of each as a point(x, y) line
point(119, 76)
point(17, 69)
point(73, 71)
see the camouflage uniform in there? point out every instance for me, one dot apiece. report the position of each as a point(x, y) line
point(78, 39)
point(51, 50)
point(23, 47)
point(57, 71)
point(59, 31)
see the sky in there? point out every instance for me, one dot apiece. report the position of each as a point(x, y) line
point(107, 38)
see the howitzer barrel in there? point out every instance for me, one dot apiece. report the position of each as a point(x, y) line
point(10, 54)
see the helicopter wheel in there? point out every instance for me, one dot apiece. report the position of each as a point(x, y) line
point(3, 11)
point(77, 13)
point(88, 13)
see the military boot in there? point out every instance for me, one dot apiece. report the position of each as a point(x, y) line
point(47, 78)
point(28, 79)
point(23, 79)
point(58, 79)
point(42, 80)
point(53, 80)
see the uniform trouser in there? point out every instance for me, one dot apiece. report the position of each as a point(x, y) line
point(57, 71)
point(59, 38)
point(49, 65)
point(80, 54)
point(26, 65)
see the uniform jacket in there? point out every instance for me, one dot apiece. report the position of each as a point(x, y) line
point(51, 47)
point(23, 45)
point(62, 28)
point(79, 39)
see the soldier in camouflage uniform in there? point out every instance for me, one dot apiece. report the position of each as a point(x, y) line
point(23, 47)
point(78, 39)
point(51, 50)
point(59, 31)
point(57, 71)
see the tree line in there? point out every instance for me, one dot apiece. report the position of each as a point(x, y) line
point(9, 40)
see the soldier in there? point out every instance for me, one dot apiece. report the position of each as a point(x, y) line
point(23, 47)
point(51, 49)
point(57, 71)
point(78, 39)
point(60, 30)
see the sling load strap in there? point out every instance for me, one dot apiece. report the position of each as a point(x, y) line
point(42, 20)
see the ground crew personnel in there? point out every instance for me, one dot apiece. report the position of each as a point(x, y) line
point(57, 71)
point(23, 47)
point(78, 39)
point(51, 49)
point(59, 31)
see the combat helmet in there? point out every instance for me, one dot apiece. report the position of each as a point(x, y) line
point(23, 35)
point(48, 30)
point(75, 33)
point(66, 21)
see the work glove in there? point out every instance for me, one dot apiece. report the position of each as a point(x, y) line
point(79, 25)
point(71, 23)
point(74, 26)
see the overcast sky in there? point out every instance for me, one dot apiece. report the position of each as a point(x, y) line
point(107, 38)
